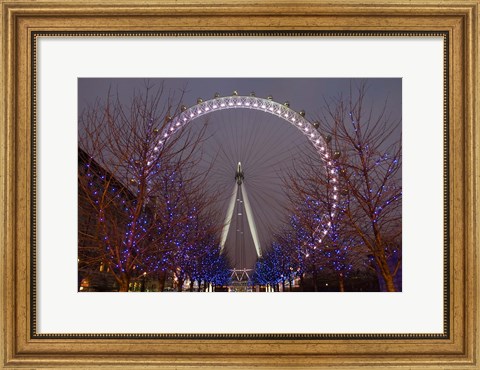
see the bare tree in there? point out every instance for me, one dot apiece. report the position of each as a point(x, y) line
point(120, 178)
point(369, 146)
point(319, 220)
point(185, 222)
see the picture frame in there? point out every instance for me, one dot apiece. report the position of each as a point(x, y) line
point(21, 20)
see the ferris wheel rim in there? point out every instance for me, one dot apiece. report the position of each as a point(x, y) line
point(267, 105)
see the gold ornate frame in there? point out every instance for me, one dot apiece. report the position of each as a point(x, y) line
point(21, 20)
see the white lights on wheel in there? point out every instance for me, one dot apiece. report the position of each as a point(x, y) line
point(268, 105)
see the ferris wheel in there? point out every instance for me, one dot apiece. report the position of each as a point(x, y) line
point(247, 162)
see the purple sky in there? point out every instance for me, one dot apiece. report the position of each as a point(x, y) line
point(266, 145)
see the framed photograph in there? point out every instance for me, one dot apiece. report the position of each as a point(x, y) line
point(238, 193)
point(259, 185)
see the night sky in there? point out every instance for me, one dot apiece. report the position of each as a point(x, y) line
point(266, 145)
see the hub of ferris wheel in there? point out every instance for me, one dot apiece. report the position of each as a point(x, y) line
point(239, 174)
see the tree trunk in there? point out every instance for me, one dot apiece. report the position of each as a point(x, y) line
point(290, 283)
point(389, 283)
point(180, 285)
point(341, 283)
point(161, 280)
point(191, 285)
point(283, 285)
point(301, 282)
point(124, 283)
point(385, 272)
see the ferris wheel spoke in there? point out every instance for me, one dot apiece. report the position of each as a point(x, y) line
point(258, 207)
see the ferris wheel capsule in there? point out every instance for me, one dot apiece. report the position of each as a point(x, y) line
point(252, 93)
point(199, 100)
point(270, 97)
point(183, 108)
point(217, 95)
point(336, 154)
point(235, 93)
point(287, 104)
point(316, 124)
point(327, 138)
point(302, 113)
